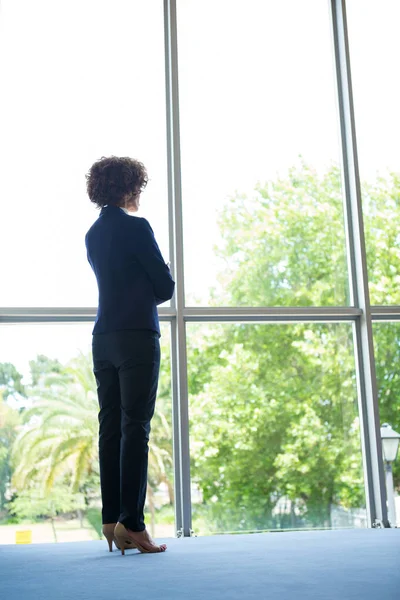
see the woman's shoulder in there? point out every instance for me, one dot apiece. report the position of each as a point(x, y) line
point(140, 223)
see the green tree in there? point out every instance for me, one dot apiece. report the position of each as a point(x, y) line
point(60, 432)
point(381, 206)
point(43, 367)
point(273, 407)
point(9, 422)
point(32, 503)
point(387, 358)
point(276, 419)
point(285, 245)
point(10, 381)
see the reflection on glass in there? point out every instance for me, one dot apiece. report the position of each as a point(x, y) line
point(78, 82)
point(49, 426)
point(374, 52)
point(275, 441)
point(262, 201)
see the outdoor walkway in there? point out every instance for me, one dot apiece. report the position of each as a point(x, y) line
point(320, 565)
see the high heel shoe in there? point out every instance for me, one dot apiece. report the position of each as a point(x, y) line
point(126, 541)
point(108, 532)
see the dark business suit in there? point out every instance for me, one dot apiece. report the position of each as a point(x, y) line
point(132, 278)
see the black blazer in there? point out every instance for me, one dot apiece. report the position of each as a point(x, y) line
point(131, 274)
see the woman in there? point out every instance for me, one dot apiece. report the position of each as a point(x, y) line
point(132, 279)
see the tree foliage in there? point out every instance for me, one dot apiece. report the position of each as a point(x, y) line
point(10, 381)
point(9, 422)
point(274, 407)
point(285, 244)
point(43, 367)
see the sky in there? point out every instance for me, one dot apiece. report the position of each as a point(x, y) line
point(85, 78)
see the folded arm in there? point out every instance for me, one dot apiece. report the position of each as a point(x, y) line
point(149, 256)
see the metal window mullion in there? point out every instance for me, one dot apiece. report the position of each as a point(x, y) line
point(168, 313)
point(385, 313)
point(176, 432)
point(62, 314)
point(278, 314)
point(173, 328)
point(358, 279)
point(179, 357)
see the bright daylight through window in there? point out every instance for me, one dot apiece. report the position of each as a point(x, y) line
point(267, 416)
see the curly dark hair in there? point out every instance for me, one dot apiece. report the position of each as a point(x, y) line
point(110, 179)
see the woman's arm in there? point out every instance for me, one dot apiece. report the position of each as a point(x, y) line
point(149, 256)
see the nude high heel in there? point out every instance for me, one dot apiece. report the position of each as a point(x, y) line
point(108, 532)
point(125, 541)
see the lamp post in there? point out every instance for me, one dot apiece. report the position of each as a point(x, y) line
point(390, 446)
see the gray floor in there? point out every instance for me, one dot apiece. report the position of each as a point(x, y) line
point(325, 565)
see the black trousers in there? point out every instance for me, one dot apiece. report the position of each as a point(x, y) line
point(126, 365)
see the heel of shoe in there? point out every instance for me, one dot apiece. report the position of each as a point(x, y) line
point(110, 541)
point(120, 538)
point(108, 532)
point(119, 542)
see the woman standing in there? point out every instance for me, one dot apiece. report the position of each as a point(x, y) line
point(132, 279)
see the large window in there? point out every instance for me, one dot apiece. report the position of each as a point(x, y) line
point(375, 48)
point(275, 440)
point(242, 113)
point(47, 384)
point(80, 81)
point(387, 355)
point(260, 151)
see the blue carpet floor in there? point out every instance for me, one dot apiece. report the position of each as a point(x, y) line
point(320, 565)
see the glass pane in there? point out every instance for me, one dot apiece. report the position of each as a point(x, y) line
point(262, 202)
point(275, 440)
point(374, 52)
point(47, 369)
point(387, 360)
point(79, 81)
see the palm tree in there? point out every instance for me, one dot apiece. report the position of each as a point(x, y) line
point(59, 439)
point(60, 432)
